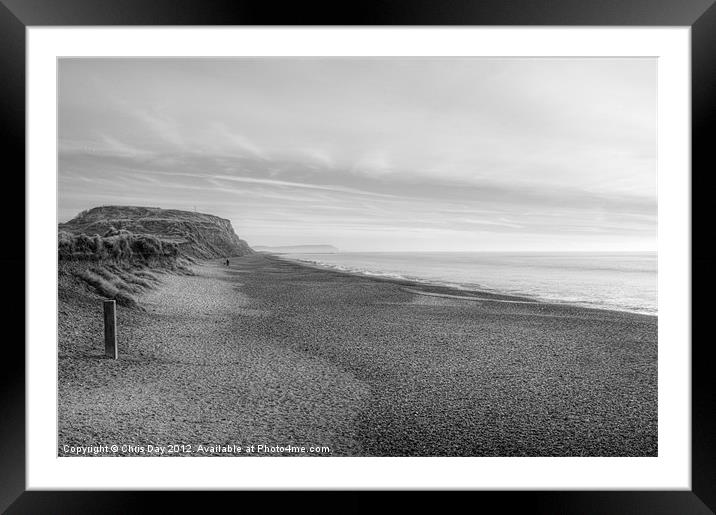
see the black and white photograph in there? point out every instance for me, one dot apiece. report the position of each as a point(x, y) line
point(357, 257)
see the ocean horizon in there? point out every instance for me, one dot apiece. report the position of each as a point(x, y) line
point(622, 281)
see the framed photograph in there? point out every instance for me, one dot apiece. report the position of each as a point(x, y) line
point(437, 249)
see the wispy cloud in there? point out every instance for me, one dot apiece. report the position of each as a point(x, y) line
point(299, 185)
point(161, 125)
point(318, 156)
point(375, 163)
point(114, 146)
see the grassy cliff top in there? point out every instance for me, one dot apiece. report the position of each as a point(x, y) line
point(196, 235)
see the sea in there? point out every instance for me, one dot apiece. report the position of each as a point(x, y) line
point(623, 281)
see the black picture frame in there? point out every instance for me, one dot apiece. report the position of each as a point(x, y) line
point(17, 15)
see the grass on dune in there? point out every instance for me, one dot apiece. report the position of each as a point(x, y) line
point(114, 244)
point(117, 265)
point(107, 289)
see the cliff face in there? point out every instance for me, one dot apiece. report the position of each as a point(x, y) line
point(198, 235)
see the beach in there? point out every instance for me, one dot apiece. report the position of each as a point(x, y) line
point(276, 353)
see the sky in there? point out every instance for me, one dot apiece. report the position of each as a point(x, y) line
point(371, 154)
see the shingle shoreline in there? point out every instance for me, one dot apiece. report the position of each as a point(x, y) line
point(276, 353)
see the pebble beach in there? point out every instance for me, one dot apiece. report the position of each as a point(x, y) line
point(275, 353)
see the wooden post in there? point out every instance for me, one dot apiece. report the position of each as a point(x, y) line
point(110, 329)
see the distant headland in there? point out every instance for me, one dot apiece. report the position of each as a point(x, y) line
point(297, 249)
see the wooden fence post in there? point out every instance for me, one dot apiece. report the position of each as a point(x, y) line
point(110, 329)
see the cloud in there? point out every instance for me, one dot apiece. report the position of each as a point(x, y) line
point(244, 143)
point(318, 156)
point(223, 140)
point(161, 125)
point(114, 146)
point(534, 150)
point(376, 163)
point(299, 185)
